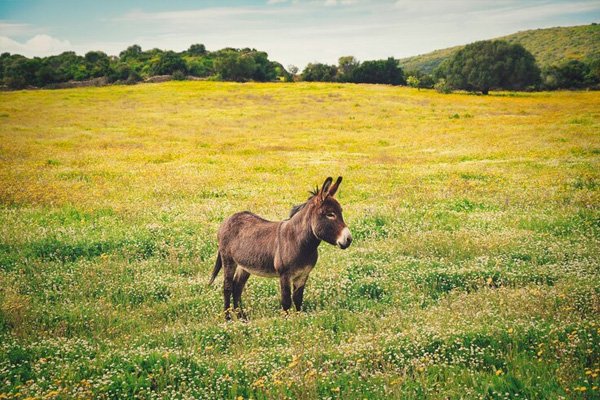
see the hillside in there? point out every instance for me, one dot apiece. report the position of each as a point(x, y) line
point(549, 46)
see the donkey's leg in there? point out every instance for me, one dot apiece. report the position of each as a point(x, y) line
point(286, 292)
point(298, 295)
point(239, 281)
point(229, 267)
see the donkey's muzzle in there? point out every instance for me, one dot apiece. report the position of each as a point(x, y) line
point(344, 239)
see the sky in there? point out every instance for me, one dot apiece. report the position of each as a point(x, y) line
point(293, 32)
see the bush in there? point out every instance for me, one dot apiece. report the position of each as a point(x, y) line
point(572, 74)
point(413, 81)
point(319, 73)
point(179, 76)
point(167, 64)
point(235, 66)
point(442, 86)
point(379, 71)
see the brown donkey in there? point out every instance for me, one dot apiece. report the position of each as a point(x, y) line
point(249, 244)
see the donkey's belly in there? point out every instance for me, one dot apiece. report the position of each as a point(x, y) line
point(261, 271)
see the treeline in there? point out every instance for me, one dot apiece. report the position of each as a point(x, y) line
point(478, 67)
point(350, 70)
point(133, 65)
point(229, 64)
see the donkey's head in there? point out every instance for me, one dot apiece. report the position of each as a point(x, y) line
point(327, 222)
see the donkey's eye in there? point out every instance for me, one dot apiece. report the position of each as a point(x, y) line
point(331, 215)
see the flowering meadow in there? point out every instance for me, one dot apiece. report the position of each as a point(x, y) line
point(474, 271)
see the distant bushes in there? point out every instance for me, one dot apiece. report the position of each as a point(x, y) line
point(134, 64)
point(478, 67)
point(573, 74)
point(350, 70)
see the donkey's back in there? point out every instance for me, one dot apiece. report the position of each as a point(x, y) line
point(250, 241)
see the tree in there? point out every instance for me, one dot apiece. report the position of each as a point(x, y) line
point(168, 63)
point(20, 72)
point(346, 67)
point(232, 65)
point(423, 80)
point(486, 65)
point(442, 86)
point(593, 76)
point(264, 70)
point(319, 73)
point(413, 81)
point(98, 63)
point(201, 66)
point(132, 52)
point(379, 71)
point(572, 74)
point(197, 50)
point(291, 74)
point(121, 71)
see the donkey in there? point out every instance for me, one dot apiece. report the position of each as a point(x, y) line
point(249, 244)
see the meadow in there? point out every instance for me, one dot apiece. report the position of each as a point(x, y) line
point(474, 271)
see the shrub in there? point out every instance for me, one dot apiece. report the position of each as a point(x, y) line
point(442, 86)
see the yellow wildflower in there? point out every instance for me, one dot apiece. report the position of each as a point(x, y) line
point(260, 382)
point(295, 361)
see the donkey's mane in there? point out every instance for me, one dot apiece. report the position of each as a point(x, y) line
point(296, 209)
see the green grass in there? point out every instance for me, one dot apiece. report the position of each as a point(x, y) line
point(474, 271)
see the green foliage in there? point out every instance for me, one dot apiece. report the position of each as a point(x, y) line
point(196, 50)
point(346, 67)
point(486, 65)
point(97, 64)
point(379, 71)
point(572, 74)
point(235, 66)
point(413, 81)
point(167, 64)
point(121, 71)
point(421, 80)
point(319, 72)
point(19, 72)
point(442, 86)
point(200, 66)
point(131, 53)
point(134, 64)
point(551, 46)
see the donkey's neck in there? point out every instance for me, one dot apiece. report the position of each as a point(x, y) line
point(298, 227)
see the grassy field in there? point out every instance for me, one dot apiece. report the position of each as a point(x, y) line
point(474, 272)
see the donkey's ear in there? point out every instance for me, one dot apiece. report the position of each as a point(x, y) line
point(334, 187)
point(325, 187)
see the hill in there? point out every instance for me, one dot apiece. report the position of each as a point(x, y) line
point(549, 46)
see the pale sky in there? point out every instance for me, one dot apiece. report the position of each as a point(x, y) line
point(290, 31)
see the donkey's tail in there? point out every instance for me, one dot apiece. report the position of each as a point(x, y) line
point(218, 265)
